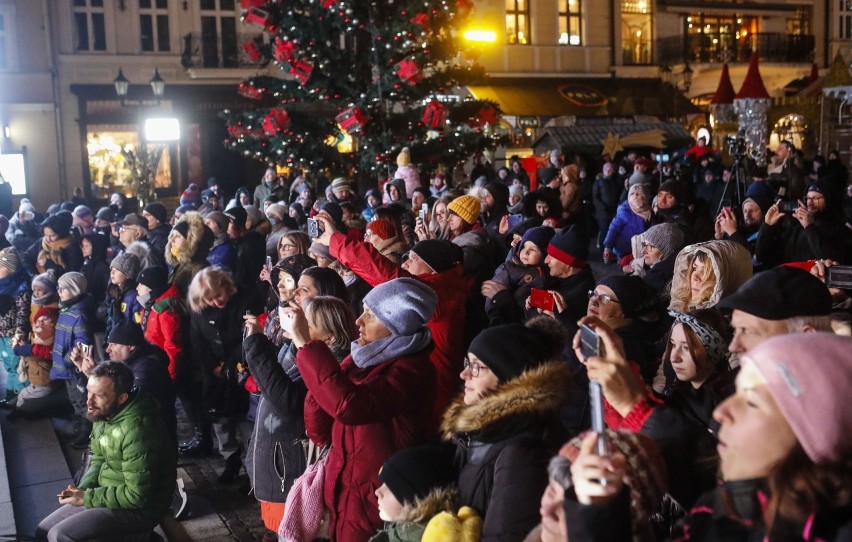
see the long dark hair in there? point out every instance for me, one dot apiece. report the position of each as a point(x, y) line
point(327, 282)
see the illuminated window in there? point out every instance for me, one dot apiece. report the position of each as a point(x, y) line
point(108, 169)
point(570, 22)
point(518, 22)
point(844, 20)
point(636, 34)
point(89, 25)
point(154, 25)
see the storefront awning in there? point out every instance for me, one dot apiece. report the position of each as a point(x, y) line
point(610, 138)
point(584, 97)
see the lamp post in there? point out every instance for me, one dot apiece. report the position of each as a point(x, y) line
point(122, 86)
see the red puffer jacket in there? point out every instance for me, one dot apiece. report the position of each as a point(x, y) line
point(447, 324)
point(366, 415)
point(161, 323)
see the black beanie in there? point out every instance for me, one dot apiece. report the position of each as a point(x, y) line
point(158, 211)
point(182, 227)
point(154, 277)
point(510, 349)
point(336, 213)
point(413, 473)
point(438, 254)
point(127, 333)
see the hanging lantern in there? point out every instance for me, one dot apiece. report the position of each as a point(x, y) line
point(351, 120)
point(435, 114)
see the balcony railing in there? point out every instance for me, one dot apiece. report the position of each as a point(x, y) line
point(202, 50)
point(721, 47)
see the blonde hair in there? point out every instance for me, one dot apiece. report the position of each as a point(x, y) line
point(683, 294)
point(207, 283)
point(332, 316)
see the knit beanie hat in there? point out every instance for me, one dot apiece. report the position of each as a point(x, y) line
point(382, 227)
point(191, 196)
point(438, 254)
point(81, 211)
point(539, 236)
point(27, 207)
point(321, 250)
point(207, 194)
point(404, 157)
point(413, 473)
point(569, 247)
point(74, 282)
point(238, 216)
point(293, 266)
point(466, 207)
point(50, 312)
point(60, 223)
point(127, 334)
point(808, 374)
point(67, 206)
point(510, 349)
point(277, 211)
point(253, 215)
point(9, 259)
point(673, 188)
point(340, 183)
point(154, 277)
point(336, 214)
point(761, 194)
point(516, 190)
point(46, 281)
point(126, 263)
point(106, 213)
point(668, 238)
point(403, 305)
point(634, 297)
point(218, 218)
point(158, 211)
point(780, 293)
point(182, 228)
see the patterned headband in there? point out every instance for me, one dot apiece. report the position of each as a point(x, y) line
point(716, 347)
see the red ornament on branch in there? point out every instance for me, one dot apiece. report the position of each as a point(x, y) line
point(351, 120)
point(409, 71)
point(260, 18)
point(327, 4)
point(435, 114)
point(275, 121)
point(301, 70)
point(284, 50)
point(247, 4)
point(421, 19)
point(252, 50)
point(250, 91)
point(486, 115)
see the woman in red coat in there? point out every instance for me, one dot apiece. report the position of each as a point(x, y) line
point(375, 403)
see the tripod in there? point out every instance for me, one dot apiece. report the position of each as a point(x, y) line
point(739, 174)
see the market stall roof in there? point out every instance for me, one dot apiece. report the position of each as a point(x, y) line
point(584, 97)
point(605, 138)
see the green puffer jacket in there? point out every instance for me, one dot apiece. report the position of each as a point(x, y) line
point(133, 464)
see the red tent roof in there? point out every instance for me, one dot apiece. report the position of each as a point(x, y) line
point(725, 90)
point(753, 86)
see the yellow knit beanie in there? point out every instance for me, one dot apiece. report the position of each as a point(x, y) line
point(467, 207)
point(404, 157)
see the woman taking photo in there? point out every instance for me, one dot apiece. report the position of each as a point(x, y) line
point(276, 455)
point(785, 454)
point(375, 403)
point(505, 425)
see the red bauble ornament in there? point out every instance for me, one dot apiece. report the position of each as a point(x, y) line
point(301, 70)
point(275, 121)
point(435, 114)
point(351, 120)
point(409, 71)
point(252, 50)
point(250, 91)
point(284, 50)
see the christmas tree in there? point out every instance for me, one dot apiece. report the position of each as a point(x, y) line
point(382, 71)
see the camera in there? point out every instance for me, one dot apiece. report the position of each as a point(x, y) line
point(736, 145)
point(314, 229)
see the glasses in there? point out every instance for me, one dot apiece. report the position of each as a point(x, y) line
point(287, 246)
point(602, 298)
point(649, 246)
point(474, 367)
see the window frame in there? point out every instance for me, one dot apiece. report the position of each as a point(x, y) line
point(154, 13)
point(89, 12)
point(515, 14)
point(565, 17)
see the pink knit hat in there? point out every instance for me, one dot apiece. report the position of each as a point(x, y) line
point(808, 374)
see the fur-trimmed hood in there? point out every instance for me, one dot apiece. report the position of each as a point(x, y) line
point(532, 397)
point(199, 239)
point(731, 263)
point(440, 499)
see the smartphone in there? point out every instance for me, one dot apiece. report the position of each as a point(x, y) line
point(590, 342)
point(839, 276)
point(788, 206)
point(84, 349)
point(726, 204)
point(542, 299)
point(514, 220)
point(598, 424)
point(269, 262)
point(314, 229)
point(423, 210)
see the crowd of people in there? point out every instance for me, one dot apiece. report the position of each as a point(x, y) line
point(407, 364)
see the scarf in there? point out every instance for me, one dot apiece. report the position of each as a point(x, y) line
point(388, 348)
point(53, 252)
point(717, 348)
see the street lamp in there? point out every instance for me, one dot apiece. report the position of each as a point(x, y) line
point(686, 74)
point(122, 85)
point(158, 85)
point(666, 74)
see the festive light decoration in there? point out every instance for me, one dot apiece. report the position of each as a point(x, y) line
point(751, 105)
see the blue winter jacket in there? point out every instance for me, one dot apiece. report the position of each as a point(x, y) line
point(623, 227)
point(72, 326)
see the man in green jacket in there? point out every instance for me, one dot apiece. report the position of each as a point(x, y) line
point(128, 487)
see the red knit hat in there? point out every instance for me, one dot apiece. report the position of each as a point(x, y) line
point(49, 312)
point(382, 227)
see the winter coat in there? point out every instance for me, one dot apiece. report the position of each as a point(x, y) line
point(72, 326)
point(159, 238)
point(415, 516)
point(452, 288)
point(72, 257)
point(22, 234)
point(507, 306)
point(787, 241)
point(15, 305)
point(251, 256)
point(605, 194)
point(658, 276)
point(366, 415)
point(623, 227)
point(731, 265)
point(732, 512)
point(124, 307)
point(478, 251)
point(505, 442)
point(193, 256)
point(96, 269)
point(223, 253)
point(150, 374)
point(410, 176)
point(36, 361)
point(133, 462)
point(161, 323)
point(275, 455)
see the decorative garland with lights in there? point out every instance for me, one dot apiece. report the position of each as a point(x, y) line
point(384, 72)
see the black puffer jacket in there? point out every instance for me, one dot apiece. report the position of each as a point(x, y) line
point(275, 455)
point(505, 441)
